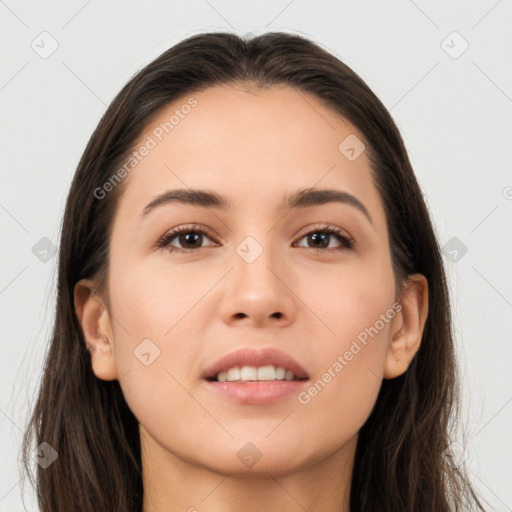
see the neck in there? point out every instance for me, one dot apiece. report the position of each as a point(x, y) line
point(172, 484)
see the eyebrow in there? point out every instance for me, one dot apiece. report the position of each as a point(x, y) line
point(301, 199)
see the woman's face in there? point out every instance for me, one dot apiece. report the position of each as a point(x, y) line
point(262, 275)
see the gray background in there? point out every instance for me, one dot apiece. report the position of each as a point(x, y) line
point(453, 107)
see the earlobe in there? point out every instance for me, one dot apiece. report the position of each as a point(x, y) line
point(94, 320)
point(408, 327)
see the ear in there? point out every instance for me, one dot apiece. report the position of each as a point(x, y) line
point(94, 319)
point(407, 327)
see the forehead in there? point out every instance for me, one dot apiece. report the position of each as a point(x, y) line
point(252, 147)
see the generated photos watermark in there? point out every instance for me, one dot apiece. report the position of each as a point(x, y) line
point(150, 143)
point(304, 397)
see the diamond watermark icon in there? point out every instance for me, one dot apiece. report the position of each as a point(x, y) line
point(44, 45)
point(44, 250)
point(249, 454)
point(455, 455)
point(249, 249)
point(454, 249)
point(351, 147)
point(146, 352)
point(45, 455)
point(454, 45)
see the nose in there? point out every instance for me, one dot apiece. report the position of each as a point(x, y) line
point(259, 293)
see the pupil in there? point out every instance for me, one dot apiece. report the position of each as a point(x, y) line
point(321, 237)
point(185, 240)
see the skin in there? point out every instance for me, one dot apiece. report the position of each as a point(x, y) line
point(254, 148)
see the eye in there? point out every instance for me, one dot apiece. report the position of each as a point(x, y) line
point(190, 238)
point(321, 238)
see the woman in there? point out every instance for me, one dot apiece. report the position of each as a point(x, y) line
point(252, 307)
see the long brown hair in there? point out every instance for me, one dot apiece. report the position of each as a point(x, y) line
point(401, 461)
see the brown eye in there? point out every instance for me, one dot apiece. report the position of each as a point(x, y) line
point(188, 238)
point(191, 238)
point(322, 238)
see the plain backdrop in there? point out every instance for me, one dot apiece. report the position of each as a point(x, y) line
point(443, 69)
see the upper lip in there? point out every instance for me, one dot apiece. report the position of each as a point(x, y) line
point(255, 357)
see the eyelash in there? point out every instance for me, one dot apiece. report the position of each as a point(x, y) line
point(346, 240)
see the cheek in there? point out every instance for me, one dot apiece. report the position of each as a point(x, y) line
point(347, 301)
point(338, 403)
point(156, 342)
point(349, 372)
point(156, 300)
point(155, 326)
point(357, 308)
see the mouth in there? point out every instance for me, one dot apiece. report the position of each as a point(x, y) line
point(248, 374)
point(256, 377)
point(249, 364)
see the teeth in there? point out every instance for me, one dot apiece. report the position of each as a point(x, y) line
point(251, 373)
point(233, 374)
point(280, 373)
point(266, 373)
point(289, 375)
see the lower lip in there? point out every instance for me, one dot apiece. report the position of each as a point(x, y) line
point(256, 393)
